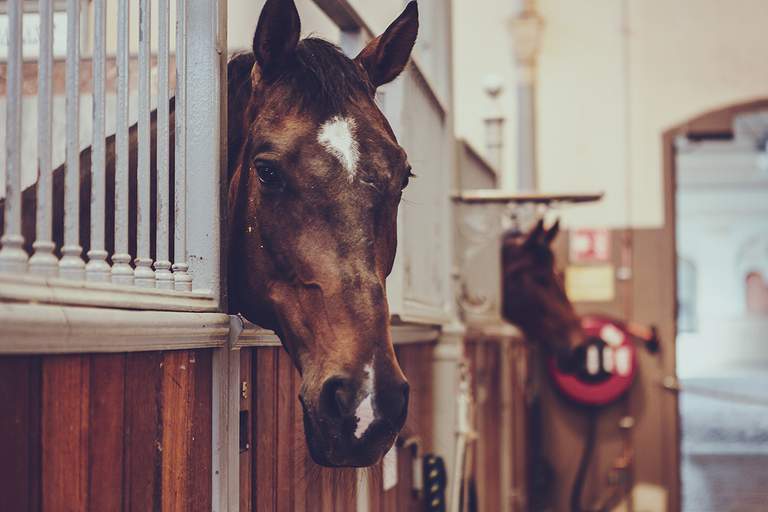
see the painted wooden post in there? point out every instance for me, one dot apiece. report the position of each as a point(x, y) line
point(181, 278)
point(12, 255)
point(122, 273)
point(164, 278)
point(97, 268)
point(43, 261)
point(144, 276)
point(72, 265)
point(201, 144)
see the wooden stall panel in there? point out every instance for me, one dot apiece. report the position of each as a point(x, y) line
point(65, 402)
point(20, 382)
point(280, 471)
point(106, 425)
point(484, 453)
point(264, 427)
point(283, 476)
point(416, 363)
point(178, 390)
point(106, 432)
point(497, 458)
point(143, 435)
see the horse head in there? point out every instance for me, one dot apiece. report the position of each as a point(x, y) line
point(534, 297)
point(315, 179)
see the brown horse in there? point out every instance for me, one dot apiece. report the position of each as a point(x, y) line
point(313, 197)
point(315, 179)
point(534, 297)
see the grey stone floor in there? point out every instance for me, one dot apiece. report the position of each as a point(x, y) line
point(725, 444)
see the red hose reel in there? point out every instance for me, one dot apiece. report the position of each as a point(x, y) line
point(602, 369)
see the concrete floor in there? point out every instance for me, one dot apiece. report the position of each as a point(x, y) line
point(725, 444)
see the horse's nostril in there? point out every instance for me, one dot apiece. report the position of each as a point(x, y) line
point(394, 403)
point(337, 397)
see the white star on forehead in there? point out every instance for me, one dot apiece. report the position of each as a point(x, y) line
point(337, 138)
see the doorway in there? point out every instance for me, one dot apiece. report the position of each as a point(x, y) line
point(720, 211)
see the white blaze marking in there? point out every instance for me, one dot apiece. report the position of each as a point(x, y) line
point(364, 412)
point(337, 138)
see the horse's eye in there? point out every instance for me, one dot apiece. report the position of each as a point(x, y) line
point(270, 177)
point(407, 180)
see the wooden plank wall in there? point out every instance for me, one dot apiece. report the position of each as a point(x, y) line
point(276, 470)
point(105, 432)
point(485, 454)
point(647, 297)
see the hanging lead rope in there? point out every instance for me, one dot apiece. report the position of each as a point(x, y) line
point(586, 458)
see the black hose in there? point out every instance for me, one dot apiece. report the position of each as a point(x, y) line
point(586, 457)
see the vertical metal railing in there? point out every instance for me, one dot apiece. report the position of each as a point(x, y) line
point(122, 273)
point(181, 277)
point(162, 263)
point(71, 265)
point(97, 268)
point(143, 273)
point(43, 262)
point(179, 188)
point(12, 255)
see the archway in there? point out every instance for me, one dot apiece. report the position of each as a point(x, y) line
point(703, 461)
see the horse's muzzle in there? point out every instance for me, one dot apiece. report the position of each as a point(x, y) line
point(349, 428)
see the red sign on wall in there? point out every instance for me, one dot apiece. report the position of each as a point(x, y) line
point(590, 245)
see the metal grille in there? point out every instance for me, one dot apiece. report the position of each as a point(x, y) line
point(145, 80)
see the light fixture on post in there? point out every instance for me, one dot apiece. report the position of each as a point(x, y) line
point(493, 86)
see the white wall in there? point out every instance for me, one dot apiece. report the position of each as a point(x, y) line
point(482, 47)
point(613, 76)
point(674, 60)
point(243, 15)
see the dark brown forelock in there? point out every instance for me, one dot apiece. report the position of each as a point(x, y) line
point(320, 78)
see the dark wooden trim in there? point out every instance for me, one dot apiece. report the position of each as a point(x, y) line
point(20, 448)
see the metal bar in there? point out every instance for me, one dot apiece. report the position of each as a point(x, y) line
point(72, 265)
point(164, 278)
point(181, 277)
point(226, 409)
point(202, 145)
point(13, 258)
point(43, 261)
point(122, 273)
point(97, 268)
point(143, 274)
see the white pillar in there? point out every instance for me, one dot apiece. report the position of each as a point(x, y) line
point(447, 356)
point(526, 28)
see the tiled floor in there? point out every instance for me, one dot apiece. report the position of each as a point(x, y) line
point(725, 445)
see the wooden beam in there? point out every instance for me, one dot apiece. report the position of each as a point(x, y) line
point(503, 196)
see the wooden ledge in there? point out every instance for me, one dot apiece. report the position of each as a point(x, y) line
point(43, 328)
point(506, 197)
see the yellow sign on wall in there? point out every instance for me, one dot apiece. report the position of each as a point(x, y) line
point(594, 283)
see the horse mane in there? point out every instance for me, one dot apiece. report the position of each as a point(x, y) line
point(320, 76)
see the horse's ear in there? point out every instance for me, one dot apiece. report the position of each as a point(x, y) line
point(386, 56)
point(552, 232)
point(277, 34)
point(534, 236)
